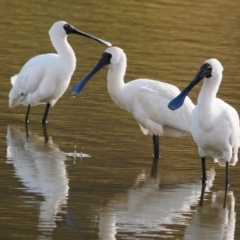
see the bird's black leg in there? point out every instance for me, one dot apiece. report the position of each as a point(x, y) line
point(226, 176)
point(44, 127)
point(44, 119)
point(204, 175)
point(155, 146)
point(26, 117)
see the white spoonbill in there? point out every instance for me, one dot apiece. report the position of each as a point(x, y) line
point(146, 99)
point(45, 78)
point(214, 123)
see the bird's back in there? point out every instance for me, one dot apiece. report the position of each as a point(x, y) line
point(151, 108)
point(39, 70)
point(28, 79)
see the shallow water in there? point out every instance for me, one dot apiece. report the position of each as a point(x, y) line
point(119, 192)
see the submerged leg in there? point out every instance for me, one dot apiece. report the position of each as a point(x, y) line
point(26, 128)
point(225, 198)
point(44, 127)
point(155, 146)
point(226, 176)
point(44, 119)
point(202, 194)
point(204, 175)
point(154, 169)
point(26, 117)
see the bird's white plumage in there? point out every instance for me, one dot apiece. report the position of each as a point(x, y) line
point(44, 78)
point(147, 100)
point(215, 124)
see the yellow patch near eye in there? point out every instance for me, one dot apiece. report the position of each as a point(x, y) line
point(209, 67)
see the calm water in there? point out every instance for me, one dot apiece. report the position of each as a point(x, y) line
point(119, 192)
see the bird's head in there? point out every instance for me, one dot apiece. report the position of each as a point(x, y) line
point(113, 57)
point(62, 29)
point(210, 70)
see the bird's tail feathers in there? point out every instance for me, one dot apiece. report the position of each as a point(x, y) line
point(13, 79)
point(12, 103)
point(239, 139)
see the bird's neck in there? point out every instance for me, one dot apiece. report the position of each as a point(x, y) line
point(116, 85)
point(208, 93)
point(63, 49)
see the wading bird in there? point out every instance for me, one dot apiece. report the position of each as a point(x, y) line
point(214, 123)
point(146, 99)
point(45, 78)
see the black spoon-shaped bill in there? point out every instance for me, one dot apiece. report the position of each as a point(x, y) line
point(104, 60)
point(178, 101)
point(70, 29)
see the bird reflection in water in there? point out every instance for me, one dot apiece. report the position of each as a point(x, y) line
point(212, 221)
point(157, 207)
point(204, 185)
point(41, 169)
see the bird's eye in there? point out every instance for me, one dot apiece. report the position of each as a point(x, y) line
point(209, 66)
point(66, 25)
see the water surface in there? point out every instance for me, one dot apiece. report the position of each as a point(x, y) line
point(119, 192)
